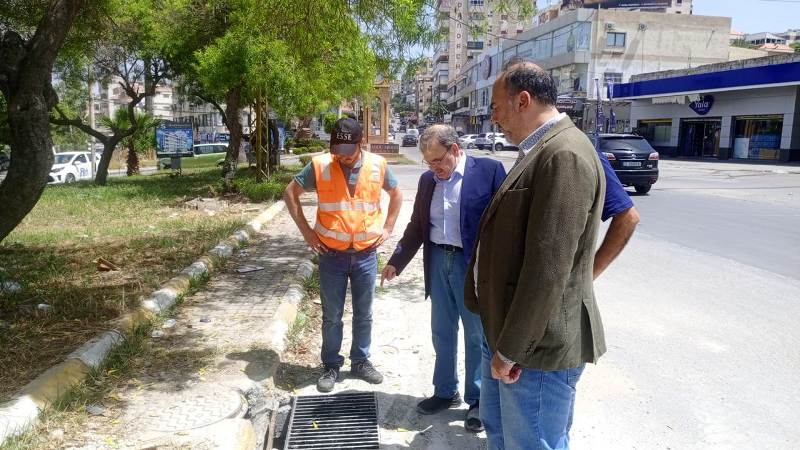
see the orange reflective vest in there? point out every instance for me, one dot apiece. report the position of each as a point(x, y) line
point(349, 221)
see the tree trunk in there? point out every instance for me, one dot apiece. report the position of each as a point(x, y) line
point(26, 83)
point(102, 168)
point(234, 124)
point(148, 86)
point(133, 158)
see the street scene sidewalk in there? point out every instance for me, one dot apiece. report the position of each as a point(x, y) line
point(669, 379)
point(208, 365)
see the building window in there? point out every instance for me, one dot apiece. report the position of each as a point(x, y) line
point(474, 45)
point(658, 132)
point(475, 2)
point(612, 77)
point(476, 16)
point(757, 137)
point(614, 39)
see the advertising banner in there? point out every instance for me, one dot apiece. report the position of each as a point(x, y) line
point(617, 3)
point(174, 139)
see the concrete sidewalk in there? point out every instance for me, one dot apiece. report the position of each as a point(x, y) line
point(203, 379)
point(402, 351)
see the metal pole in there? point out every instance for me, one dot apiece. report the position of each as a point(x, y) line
point(91, 124)
point(259, 130)
point(597, 115)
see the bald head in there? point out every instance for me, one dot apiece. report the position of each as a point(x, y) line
point(439, 133)
point(521, 75)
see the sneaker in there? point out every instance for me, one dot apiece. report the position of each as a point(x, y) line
point(329, 377)
point(366, 371)
point(435, 404)
point(473, 420)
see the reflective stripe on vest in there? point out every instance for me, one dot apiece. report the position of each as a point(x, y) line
point(349, 219)
point(355, 205)
point(326, 170)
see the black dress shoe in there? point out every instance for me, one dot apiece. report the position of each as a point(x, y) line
point(435, 404)
point(473, 420)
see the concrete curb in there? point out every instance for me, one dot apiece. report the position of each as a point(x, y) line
point(22, 411)
point(285, 315)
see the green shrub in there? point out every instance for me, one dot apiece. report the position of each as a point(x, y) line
point(261, 192)
point(328, 120)
point(305, 159)
point(311, 142)
point(300, 150)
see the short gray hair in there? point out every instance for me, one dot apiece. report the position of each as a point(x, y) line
point(441, 133)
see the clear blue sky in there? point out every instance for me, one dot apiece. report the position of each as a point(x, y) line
point(751, 16)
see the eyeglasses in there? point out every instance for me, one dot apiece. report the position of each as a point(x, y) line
point(437, 161)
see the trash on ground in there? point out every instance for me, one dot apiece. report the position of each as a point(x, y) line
point(248, 269)
point(10, 287)
point(157, 334)
point(169, 323)
point(43, 307)
point(95, 410)
point(205, 319)
point(105, 265)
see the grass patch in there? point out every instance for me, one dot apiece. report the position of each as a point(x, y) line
point(398, 158)
point(301, 321)
point(142, 224)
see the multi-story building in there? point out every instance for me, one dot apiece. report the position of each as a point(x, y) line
point(745, 110)
point(469, 27)
point(583, 45)
point(790, 36)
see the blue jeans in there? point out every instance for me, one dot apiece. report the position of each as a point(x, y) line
point(335, 269)
point(533, 413)
point(448, 271)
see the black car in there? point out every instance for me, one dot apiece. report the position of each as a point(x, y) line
point(410, 140)
point(634, 161)
point(5, 161)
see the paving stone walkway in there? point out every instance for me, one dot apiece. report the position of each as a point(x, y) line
point(202, 368)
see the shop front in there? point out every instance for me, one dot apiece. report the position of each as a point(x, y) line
point(743, 110)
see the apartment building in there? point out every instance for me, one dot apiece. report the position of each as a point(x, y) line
point(469, 27)
point(582, 45)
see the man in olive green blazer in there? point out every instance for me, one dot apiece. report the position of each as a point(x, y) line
point(531, 278)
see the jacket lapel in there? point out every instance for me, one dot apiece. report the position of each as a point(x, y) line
point(518, 169)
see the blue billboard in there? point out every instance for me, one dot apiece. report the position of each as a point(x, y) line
point(174, 139)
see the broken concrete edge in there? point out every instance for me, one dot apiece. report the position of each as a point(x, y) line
point(22, 411)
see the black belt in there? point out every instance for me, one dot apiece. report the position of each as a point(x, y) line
point(449, 248)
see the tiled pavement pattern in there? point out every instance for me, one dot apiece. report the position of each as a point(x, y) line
point(217, 345)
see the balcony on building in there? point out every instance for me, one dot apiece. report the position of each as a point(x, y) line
point(474, 45)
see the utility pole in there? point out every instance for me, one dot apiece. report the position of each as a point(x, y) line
point(91, 123)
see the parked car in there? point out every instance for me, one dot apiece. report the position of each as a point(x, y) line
point(413, 131)
point(634, 160)
point(70, 167)
point(467, 141)
point(210, 148)
point(496, 141)
point(5, 161)
point(410, 140)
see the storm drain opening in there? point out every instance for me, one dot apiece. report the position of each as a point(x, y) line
point(334, 421)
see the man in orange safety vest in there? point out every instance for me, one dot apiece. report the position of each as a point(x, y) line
point(349, 228)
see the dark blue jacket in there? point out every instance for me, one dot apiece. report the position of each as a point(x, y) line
point(482, 178)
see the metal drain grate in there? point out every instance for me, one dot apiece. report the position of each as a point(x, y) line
point(334, 421)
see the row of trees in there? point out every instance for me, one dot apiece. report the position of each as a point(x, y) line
point(300, 55)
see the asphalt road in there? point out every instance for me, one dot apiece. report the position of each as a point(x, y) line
point(700, 314)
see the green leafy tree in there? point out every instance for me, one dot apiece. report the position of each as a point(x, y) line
point(437, 109)
point(33, 35)
point(795, 46)
point(127, 55)
point(301, 56)
point(136, 142)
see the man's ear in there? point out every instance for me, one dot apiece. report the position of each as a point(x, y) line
point(524, 100)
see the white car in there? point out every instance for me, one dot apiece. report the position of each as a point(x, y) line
point(496, 141)
point(70, 167)
point(467, 140)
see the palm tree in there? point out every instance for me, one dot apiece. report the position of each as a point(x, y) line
point(147, 124)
